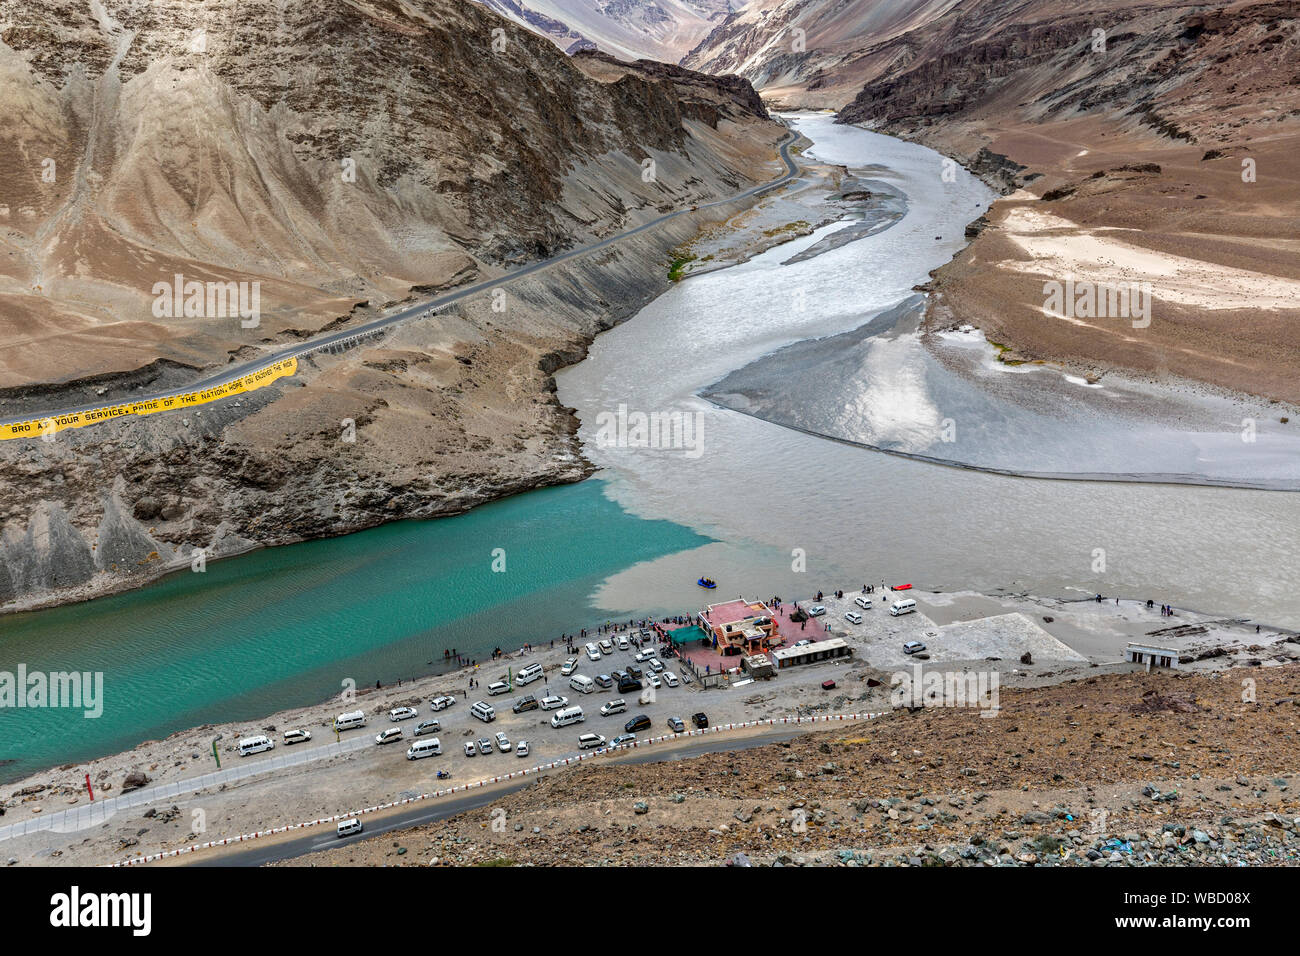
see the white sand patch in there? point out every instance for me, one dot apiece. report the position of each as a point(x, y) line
point(1060, 248)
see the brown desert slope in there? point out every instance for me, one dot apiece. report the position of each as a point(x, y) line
point(231, 159)
point(343, 155)
point(1158, 143)
point(1118, 769)
point(814, 53)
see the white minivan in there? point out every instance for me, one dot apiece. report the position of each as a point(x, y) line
point(863, 602)
point(529, 674)
point(582, 684)
point(349, 720)
point(483, 711)
point(906, 606)
point(255, 745)
point(424, 748)
point(570, 715)
point(349, 826)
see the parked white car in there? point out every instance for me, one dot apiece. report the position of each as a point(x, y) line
point(569, 667)
point(296, 736)
point(670, 678)
point(552, 703)
point(521, 748)
point(402, 713)
point(853, 617)
point(389, 736)
point(503, 743)
point(441, 703)
point(623, 644)
point(645, 654)
point(498, 687)
point(816, 611)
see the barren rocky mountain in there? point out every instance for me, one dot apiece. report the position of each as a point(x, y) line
point(1159, 136)
point(814, 53)
point(344, 156)
point(1158, 144)
point(628, 29)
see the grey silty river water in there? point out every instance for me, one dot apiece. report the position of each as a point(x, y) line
point(793, 512)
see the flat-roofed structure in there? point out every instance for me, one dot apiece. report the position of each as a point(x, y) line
point(811, 653)
point(741, 627)
point(1151, 655)
point(758, 666)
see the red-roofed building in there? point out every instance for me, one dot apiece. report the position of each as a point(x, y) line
point(741, 627)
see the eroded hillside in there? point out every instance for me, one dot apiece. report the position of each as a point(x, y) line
point(341, 156)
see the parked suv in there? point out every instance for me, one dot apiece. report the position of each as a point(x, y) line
point(528, 702)
point(639, 722)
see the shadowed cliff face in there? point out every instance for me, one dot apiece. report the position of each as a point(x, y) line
point(339, 156)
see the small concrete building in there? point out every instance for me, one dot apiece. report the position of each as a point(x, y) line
point(758, 666)
point(1152, 656)
point(811, 653)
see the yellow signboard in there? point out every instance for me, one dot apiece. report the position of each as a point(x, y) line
point(39, 427)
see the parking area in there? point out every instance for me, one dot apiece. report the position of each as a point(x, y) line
point(459, 727)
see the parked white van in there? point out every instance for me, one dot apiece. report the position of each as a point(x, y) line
point(582, 684)
point(906, 606)
point(587, 741)
point(570, 715)
point(529, 674)
point(347, 721)
point(483, 711)
point(424, 748)
point(863, 602)
point(255, 745)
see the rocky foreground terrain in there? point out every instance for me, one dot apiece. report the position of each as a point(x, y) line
point(344, 156)
point(1112, 770)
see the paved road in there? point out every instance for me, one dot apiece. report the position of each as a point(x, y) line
point(324, 838)
point(102, 810)
point(231, 372)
